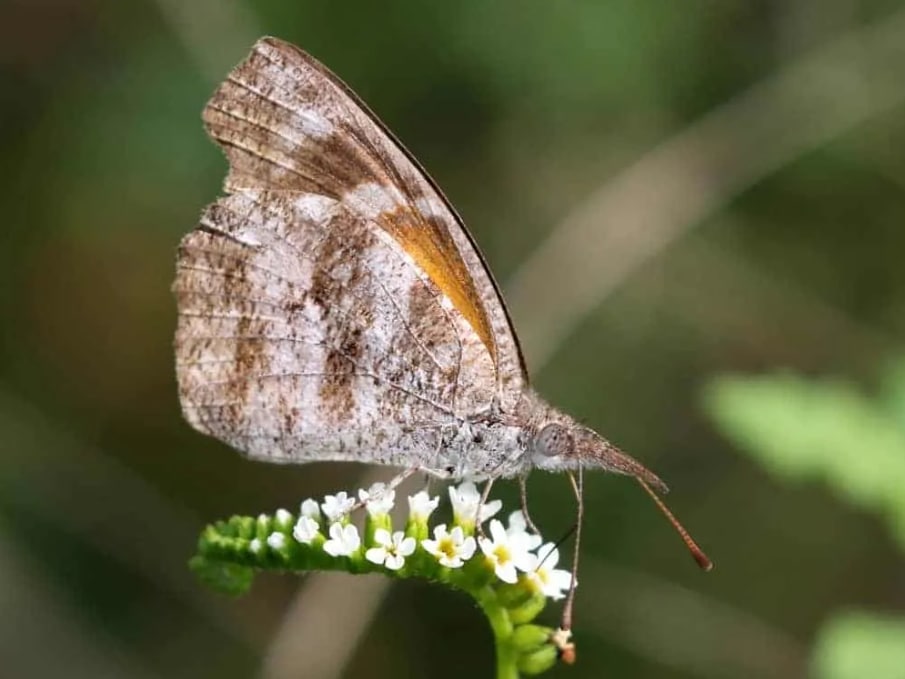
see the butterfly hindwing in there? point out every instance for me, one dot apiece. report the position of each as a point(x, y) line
point(299, 339)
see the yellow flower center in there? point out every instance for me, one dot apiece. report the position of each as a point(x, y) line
point(501, 552)
point(447, 547)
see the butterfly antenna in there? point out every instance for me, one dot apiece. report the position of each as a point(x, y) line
point(696, 552)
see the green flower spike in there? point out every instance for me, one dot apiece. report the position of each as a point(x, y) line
point(509, 573)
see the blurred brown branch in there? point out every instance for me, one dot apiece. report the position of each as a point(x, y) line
point(42, 614)
point(730, 309)
point(637, 214)
point(60, 478)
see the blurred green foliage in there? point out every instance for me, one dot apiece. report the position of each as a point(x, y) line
point(855, 645)
point(827, 430)
point(803, 429)
point(521, 110)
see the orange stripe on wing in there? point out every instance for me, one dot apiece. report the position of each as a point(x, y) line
point(427, 241)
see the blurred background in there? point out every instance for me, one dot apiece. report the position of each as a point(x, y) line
point(697, 213)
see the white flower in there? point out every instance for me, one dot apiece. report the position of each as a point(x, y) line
point(451, 548)
point(391, 550)
point(305, 530)
point(310, 509)
point(255, 546)
point(421, 506)
point(507, 552)
point(337, 506)
point(465, 500)
point(519, 525)
point(283, 518)
point(344, 540)
point(378, 499)
point(276, 540)
point(545, 577)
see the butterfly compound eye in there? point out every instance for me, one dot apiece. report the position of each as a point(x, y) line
point(554, 440)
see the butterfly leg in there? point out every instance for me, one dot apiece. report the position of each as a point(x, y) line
point(427, 481)
point(402, 476)
point(390, 485)
point(523, 497)
point(485, 493)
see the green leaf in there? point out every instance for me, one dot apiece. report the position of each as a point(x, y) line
point(225, 577)
point(855, 645)
point(825, 430)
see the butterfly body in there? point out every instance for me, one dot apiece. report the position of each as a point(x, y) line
point(332, 305)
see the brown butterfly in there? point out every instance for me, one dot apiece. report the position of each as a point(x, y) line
point(333, 306)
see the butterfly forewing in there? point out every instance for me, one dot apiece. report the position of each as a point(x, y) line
point(332, 302)
point(286, 121)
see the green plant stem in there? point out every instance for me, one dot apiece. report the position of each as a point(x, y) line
point(506, 657)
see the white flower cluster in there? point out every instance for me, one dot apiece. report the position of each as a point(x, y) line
point(514, 549)
point(508, 551)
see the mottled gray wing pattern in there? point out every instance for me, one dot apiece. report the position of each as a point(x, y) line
point(330, 303)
